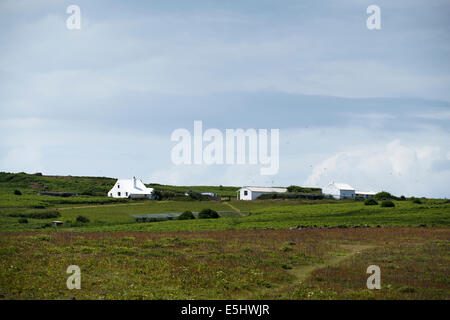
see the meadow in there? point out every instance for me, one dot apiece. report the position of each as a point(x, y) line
point(276, 214)
point(266, 249)
point(232, 264)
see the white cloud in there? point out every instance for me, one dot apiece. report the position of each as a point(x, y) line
point(23, 159)
point(398, 167)
point(115, 69)
point(433, 115)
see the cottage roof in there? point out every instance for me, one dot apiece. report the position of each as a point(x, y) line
point(133, 186)
point(265, 189)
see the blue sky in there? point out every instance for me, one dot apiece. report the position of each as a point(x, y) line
point(369, 108)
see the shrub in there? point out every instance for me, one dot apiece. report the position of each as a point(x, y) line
point(83, 219)
point(371, 202)
point(23, 220)
point(295, 189)
point(37, 215)
point(387, 203)
point(383, 195)
point(416, 200)
point(43, 237)
point(88, 192)
point(186, 215)
point(156, 194)
point(195, 195)
point(309, 196)
point(17, 192)
point(208, 214)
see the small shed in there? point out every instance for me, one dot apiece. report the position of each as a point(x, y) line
point(57, 223)
point(252, 193)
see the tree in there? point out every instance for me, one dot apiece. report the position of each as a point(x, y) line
point(294, 188)
point(383, 195)
point(387, 203)
point(156, 194)
point(194, 195)
point(187, 215)
point(370, 202)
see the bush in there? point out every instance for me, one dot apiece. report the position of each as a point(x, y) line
point(383, 195)
point(371, 202)
point(187, 215)
point(387, 203)
point(295, 189)
point(156, 194)
point(418, 201)
point(83, 219)
point(309, 196)
point(23, 220)
point(195, 195)
point(37, 215)
point(208, 214)
point(17, 192)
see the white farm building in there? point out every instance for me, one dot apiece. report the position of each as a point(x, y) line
point(251, 193)
point(365, 194)
point(130, 188)
point(339, 190)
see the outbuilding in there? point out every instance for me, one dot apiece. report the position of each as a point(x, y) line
point(365, 194)
point(252, 193)
point(339, 190)
point(57, 223)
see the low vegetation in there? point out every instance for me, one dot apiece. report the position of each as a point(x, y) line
point(383, 195)
point(186, 215)
point(297, 189)
point(82, 219)
point(208, 214)
point(292, 248)
point(43, 214)
point(371, 202)
point(387, 204)
point(245, 264)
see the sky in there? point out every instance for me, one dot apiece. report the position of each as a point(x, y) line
point(370, 108)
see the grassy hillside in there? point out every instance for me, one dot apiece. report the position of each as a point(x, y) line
point(32, 183)
point(278, 249)
point(263, 214)
point(222, 191)
point(108, 214)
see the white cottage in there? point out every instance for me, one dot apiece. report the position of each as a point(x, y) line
point(130, 188)
point(339, 190)
point(251, 193)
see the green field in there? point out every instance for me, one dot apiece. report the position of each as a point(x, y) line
point(108, 214)
point(263, 214)
point(265, 249)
